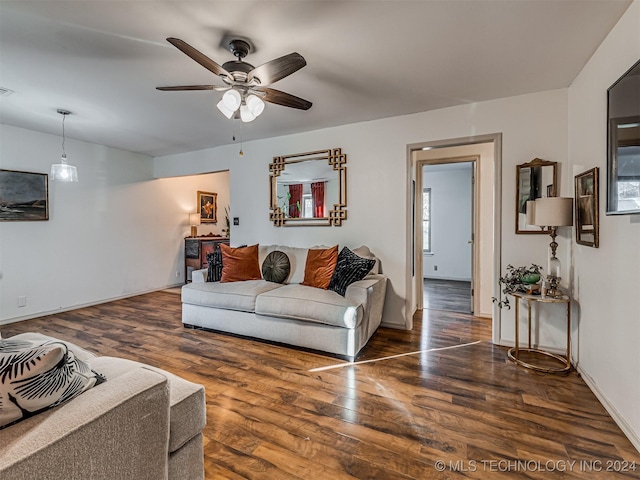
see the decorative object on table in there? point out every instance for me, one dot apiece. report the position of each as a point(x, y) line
point(63, 172)
point(207, 207)
point(623, 144)
point(245, 85)
point(227, 231)
point(552, 213)
point(308, 189)
point(194, 221)
point(535, 179)
point(24, 196)
point(587, 208)
point(518, 279)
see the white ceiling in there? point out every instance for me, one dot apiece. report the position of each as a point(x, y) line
point(102, 59)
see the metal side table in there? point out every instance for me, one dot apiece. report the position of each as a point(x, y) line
point(514, 353)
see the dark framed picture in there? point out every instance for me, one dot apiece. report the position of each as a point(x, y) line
point(587, 208)
point(208, 207)
point(24, 196)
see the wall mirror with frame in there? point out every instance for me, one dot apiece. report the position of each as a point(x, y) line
point(623, 142)
point(308, 189)
point(587, 209)
point(535, 179)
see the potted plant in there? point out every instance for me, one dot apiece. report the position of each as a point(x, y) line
point(517, 279)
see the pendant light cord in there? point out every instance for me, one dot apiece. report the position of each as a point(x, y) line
point(64, 154)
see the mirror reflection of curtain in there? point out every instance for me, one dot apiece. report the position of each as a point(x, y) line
point(295, 200)
point(317, 192)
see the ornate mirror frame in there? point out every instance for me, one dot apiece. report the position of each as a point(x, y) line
point(548, 190)
point(337, 161)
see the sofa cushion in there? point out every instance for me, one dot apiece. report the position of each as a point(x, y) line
point(240, 264)
point(297, 260)
point(231, 296)
point(350, 268)
point(276, 267)
point(37, 375)
point(187, 404)
point(301, 302)
point(319, 268)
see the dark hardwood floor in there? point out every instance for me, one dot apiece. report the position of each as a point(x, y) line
point(451, 295)
point(270, 417)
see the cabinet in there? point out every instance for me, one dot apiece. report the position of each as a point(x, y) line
point(196, 250)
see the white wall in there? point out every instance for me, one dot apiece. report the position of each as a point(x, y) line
point(451, 216)
point(115, 233)
point(532, 125)
point(606, 280)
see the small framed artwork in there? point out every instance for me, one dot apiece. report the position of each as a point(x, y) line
point(24, 196)
point(208, 207)
point(587, 208)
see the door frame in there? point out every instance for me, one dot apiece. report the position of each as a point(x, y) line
point(496, 140)
point(419, 254)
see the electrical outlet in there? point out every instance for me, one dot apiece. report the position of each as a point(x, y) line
point(22, 301)
point(177, 273)
point(435, 267)
point(236, 220)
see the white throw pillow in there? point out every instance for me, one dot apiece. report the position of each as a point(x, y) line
point(36, 376)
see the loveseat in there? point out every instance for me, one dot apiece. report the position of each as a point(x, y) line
point(290, 312)
point(142, 423)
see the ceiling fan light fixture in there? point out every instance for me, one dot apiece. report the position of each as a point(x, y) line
point(232, 99)
point(245, 114)
point(255, 105)
point(225, 111)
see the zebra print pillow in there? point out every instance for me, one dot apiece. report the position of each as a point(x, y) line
point(350, 268)
point(36, 376)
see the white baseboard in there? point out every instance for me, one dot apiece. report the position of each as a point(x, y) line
point(634, 437)
point(7, 321)
point(446, 278)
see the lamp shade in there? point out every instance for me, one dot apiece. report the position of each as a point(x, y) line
point(553, 212)
point(194, 219)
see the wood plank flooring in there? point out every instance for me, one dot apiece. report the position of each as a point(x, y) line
point(270, 417)
point(451, 295)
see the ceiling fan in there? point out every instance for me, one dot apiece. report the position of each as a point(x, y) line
point(246, 86)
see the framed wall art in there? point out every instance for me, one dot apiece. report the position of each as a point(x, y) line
point(24, 196)
point(208, 207)
point(587, 208)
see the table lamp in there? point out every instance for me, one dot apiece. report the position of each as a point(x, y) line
point(194, 220)
point(553, 212)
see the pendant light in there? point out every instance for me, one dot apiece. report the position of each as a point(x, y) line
point(63, 172)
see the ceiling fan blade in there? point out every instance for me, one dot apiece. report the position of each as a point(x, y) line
point(277, 69)
point(188, 87)
point(198, 56)
point(286, 99)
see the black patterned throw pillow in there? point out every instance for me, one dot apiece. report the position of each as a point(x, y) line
point(214, 260)
point(36, 376)
point(350, 268)
point(276, 267)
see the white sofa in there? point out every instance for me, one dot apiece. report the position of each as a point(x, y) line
point(143, 423)
point(289, 313)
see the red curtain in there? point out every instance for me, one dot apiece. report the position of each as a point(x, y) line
point(295, 200)
point(317, 193)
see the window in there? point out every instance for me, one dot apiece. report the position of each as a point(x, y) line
point(426, 220)
point(307, 206)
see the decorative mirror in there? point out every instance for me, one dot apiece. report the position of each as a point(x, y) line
point(535, 179)
point(309, 189)
point(587, 208)
point(623, 142)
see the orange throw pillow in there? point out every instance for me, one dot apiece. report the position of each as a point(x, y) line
point(320, 267)
point(239, 264)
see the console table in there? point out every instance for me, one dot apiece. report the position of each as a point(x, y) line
point(514, 353)
point(196, 250)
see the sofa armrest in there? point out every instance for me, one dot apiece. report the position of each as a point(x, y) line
point(199, 276)
point(370, 292)
point(119, 429)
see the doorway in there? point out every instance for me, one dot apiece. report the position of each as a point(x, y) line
point(486, 150)
point(448, 232)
